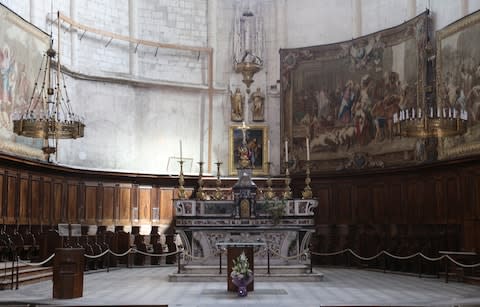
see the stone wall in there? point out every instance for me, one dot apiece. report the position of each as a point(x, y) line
point(139, 101)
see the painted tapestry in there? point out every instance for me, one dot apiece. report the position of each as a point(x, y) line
point(22, 46)
point(343, 96)
point(458, 81)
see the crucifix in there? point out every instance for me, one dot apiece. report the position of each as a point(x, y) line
point(244, 129)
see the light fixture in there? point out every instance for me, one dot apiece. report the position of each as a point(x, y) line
point(49, 115)
point(248, 45)
point(440, 122)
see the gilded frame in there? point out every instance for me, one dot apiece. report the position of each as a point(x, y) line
point(235, 138)
point(458, 80)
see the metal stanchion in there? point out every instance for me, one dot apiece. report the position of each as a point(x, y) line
point(108, 262)
point(268, 261)
point(16, 287)
point(311, 263)
point(178, 262)
point(220, 263)
point(419, 266)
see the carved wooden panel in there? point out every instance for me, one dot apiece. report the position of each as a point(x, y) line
point(124, 216)
point(363, 200)
point(322, 215)
point(11, 196)
point(378, 200)
point(167, 211)
point(36, 212)
point(72, 197)
point(144, 201)
point(90, 204)
point(23, 197)
point(108, 192)
point(99, 204)
point(58, 201)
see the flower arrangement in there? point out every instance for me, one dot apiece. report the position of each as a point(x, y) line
point(240, 268)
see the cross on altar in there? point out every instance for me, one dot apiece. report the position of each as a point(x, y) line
point(244, 129)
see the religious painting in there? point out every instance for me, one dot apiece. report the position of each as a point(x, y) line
point(256, 138)
point(342, 97)
point(458, 82)
point(22, 46)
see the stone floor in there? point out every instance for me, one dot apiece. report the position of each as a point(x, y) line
point(340, 287)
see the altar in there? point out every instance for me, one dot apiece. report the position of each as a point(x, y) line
point(246, 214)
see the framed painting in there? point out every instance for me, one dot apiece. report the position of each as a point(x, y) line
point(458, 82)
point(256, 138)
point(22, 46)
point(342, 96)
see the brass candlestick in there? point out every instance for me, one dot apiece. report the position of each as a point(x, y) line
point(307, 191)
point(200, 193)
point(218, 195)
point(269, 193)
point(288, 191)
point(181, 181)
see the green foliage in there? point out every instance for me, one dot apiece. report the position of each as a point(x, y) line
point(276, 209)
point(241, 267)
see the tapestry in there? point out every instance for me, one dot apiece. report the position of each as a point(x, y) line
point(22, 46)
point(458, 81)
point(343, 96)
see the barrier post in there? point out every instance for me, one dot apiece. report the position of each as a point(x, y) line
point(108, 261)
point(446, 269)
point(220, 262)
point(16, 286)
point(419, 265)
point(13, 268)
point(311, 263)
point(384, 263)
point(268, 261)
point(178, 262)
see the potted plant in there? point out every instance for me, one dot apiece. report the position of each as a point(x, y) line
point(241, 274)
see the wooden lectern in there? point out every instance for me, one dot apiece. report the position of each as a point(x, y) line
point(68, 273)
point(233, 251)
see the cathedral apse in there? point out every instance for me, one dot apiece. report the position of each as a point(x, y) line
point(342, 97)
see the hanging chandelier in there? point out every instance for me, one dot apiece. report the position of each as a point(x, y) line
point(49, 115)
point(440, 122)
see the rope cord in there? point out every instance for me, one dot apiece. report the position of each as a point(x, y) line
point(302, 253)
point(157, 255)
point(37, 263)
point(398, 257)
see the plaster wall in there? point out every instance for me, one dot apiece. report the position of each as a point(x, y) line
point(147, 100)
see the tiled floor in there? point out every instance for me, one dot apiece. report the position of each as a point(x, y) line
point(340, 287)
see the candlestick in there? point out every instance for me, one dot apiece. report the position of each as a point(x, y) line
point(181, 181)
point(308, 149)
point(218, 195)
point(200, 193)
point(180, 150)
point(268, 151)
point(269, 193)
point(307, 191)
point(288, 191)
point(286, 150)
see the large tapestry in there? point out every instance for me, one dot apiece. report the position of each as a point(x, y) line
point(22, 46)
point(458, 81)
point(343, 96)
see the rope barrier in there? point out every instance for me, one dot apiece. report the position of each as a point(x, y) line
point(156, 255)
point(398, 257)
point(97, 256)
point(461, 264)
point(302, 253)
point(192, 257)
point(37, 264)
point(121, 255)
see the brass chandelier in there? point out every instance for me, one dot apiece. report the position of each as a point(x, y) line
point(49, 115)
point(440, 122)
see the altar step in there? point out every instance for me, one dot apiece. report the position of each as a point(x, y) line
point(286, 273)
point(26, 274)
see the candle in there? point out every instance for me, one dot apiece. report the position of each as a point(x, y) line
point(268, 149)
point(308, 149)
point(180, 149)
point(286, 150)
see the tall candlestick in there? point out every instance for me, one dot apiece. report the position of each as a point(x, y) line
point(180, 149)
point(308, 149)
point(268, 149)
point(286, 150)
